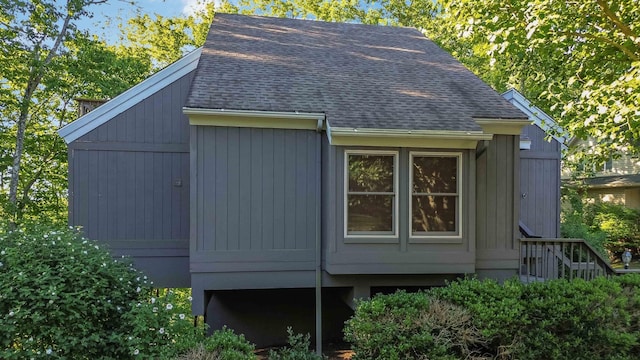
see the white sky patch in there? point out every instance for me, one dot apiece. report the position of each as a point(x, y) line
point(192, 7)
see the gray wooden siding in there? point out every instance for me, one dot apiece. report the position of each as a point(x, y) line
point(131, 196)
point(129, 184)
point(400, 255)
point(156, 120)
point(539, 141)
point(253, 199)
point(540, 184)
point(498, 204)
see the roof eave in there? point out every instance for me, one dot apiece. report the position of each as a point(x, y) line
point(539, 117)
point(502, 126)
point(443, 139)
point(255, 119)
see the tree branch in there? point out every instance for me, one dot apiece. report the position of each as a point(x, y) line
point(632, 55)
point(27, 188)
point(25, 193)
point(619, 24)
point(61, 35)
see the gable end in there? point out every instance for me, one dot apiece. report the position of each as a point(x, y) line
point(131, 97)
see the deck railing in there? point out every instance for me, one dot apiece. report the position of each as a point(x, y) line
point(543, 259)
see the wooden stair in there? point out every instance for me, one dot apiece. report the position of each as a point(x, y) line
point(552, 258)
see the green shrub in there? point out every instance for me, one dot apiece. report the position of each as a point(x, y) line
point(495, 310)
point(573, 226)
point(299, 349)
point(229, 345)
point(609, 228)
point(223, 344)
point(630, 284)
point(63, 296)
point(559, 319)
point(578, 319)
point(621, 224)
point(200, 353)
point(161, 327)
point(411, 326)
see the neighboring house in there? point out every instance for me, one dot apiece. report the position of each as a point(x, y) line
point(541, 145)
point(616, 181)
point(292, 155)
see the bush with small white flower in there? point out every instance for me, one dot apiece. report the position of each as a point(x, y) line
point(161, 327)
point(63, 296)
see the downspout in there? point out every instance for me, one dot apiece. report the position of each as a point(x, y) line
point(319, 240)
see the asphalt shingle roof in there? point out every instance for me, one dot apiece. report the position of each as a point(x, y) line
point(614, 181)
point(361, 76)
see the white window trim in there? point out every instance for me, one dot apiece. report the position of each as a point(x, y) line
point(345, 216)
point(435, 235)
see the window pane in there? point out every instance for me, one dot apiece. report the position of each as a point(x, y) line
point(371, 173)
point(435, 174)
point(434, 213)
point(370, 213)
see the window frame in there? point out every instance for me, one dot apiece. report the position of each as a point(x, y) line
point(380, 236)
point(607, 167)
point(427, 237)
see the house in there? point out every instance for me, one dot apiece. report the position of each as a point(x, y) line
point(289, 163)
point(616, 181)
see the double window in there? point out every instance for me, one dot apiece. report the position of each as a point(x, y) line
point(372, 194)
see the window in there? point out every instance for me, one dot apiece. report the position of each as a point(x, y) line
point(435, 194)
point(371, 197)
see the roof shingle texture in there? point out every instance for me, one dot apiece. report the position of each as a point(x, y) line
point(360, 76)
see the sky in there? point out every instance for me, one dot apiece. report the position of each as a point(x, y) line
point(107, 16)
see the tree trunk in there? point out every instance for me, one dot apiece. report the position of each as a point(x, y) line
point(37, 72)
point(17, 156)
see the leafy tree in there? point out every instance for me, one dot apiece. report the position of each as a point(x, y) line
point(326, 10)
point(578, 60)
point(167, 39)
point(47, 62)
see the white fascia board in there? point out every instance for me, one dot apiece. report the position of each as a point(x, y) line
point(131, 97)
point(256, 119)
point(254, 113)
point(403, 133)
point(539, 117)
point(436, 139)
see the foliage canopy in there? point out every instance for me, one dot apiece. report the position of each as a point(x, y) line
point(46, 63)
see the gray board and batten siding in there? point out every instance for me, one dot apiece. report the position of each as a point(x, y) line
point(254, 203)
point(540, 183)
point(498, 207)
point(129, 184)
point(539, 168)
point(253, 199)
